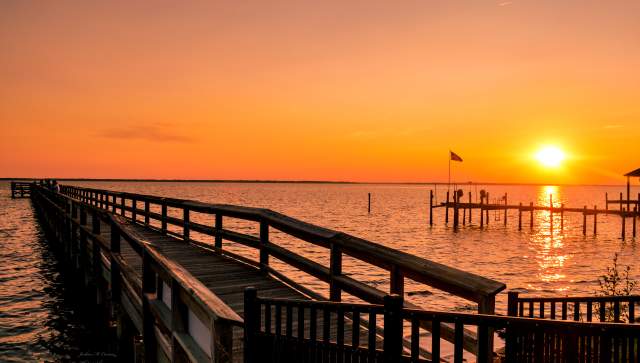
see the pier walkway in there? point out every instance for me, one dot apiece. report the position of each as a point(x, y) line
point(152, 262)
point(173, 298)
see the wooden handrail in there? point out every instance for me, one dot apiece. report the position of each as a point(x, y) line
point(400, 265)
point(457, 282)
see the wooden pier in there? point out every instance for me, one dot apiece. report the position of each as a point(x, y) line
point(174, 298)
point(458, 206)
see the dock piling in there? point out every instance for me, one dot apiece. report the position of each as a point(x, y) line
point(481, 212)
point(369, 203)
point(470, 209)
point(595, 219)
point(505, 209)
point(431, 207)
point(562, 217)
point(584, 221)
point(635, 211)
point(446, 210)
point(520, 217)
point(624, 225)
point(531, 215)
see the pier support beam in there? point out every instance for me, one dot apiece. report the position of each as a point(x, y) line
point(595, 220)
point(584, 221)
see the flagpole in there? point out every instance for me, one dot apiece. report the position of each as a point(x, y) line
point(449, 183)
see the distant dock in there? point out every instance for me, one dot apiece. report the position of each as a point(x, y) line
point(462, 211)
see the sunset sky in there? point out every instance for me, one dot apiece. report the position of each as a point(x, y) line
point(320, 90)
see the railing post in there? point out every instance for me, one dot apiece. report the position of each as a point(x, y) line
point(178, 318)
point(146, 212)
point(264, 240)
point(392, 328)
point(512, 303)
point(113, 204)
point(487, 306)
point(148, 325)
point(185, 224)
point(251, 324)
point(335, 270)
point(115, 267)
point(122, 205)
point(397, 281)
point(134, 209)
point(163, 220)
point(218, 228)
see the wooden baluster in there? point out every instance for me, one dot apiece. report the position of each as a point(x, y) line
point(335, 270)
point(371, 338)
point(458, 342)
point(134, 209)
point(185, 224)
point(252, 325)
point(218, 231)
point(264, 241)
point(392, 345)
point(122, 205)
point(146, 212)
point(435, 340)
point(163, 220)
point(576, 311)
point(415, 339)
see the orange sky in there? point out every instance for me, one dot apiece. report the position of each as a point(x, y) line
point(323, 90)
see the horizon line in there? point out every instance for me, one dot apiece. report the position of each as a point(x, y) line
point(294, 181)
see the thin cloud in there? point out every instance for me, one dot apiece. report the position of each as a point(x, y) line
point(505, 3)
point(158, 132)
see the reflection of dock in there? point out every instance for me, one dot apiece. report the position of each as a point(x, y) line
point(463, 211)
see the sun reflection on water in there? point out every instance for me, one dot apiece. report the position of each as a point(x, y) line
point(547, 240)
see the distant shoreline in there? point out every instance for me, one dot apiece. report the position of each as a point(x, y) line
point(248, 181)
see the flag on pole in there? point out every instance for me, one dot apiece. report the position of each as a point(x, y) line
point(454, 156)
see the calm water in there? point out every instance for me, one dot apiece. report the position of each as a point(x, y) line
point(538, 261)
point(40, 317)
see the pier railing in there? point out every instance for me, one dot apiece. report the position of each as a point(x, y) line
point(180, 316)
point(618, 309)
point(271, 335)
point(20, 189)
point(400, 265)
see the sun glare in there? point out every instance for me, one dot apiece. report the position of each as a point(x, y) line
point(550, 156)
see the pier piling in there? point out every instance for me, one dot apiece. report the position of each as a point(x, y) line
point(369, 203)
point(624, 225)
point(446, 210)
point(520, 217)
point(562, 217)
point(584, 221)
point(531, 216)
point(635, 211)
point(595, 220)
point(470, 209)
point(481, 212)
point(431, 207)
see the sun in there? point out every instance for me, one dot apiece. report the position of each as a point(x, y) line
point(550, 156)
